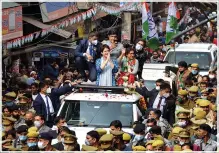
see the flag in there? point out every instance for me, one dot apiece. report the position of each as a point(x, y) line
point(171, 28)
point(149, 29)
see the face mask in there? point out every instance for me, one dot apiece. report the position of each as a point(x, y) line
point(127, 145)
point(138, 47)
point(23, 138)
point(94, 42)
point(179, 99)
point(37, 124)
point(40, 145)
point(48, 91)
point(182, 124)
point(166, 95)
point(194, 72)
point(211, 76)
point(176, 141)
point(158, 88)
point(65, 124)
point(138, 137)
point(148, 128)
point(9, 103)
point(29, 122)
point(87, 142)
point(62, 140)
point(203, 97)
point(31, 144)
point(181, 143)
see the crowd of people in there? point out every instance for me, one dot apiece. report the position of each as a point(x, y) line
point(185, 121)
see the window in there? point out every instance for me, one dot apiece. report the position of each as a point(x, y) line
point(91, 113)
point(202, 58)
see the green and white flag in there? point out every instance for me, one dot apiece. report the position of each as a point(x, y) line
point(172, 26)
point(149, 29)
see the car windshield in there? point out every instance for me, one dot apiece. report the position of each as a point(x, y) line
point(92, 113)
point(150, 84)
point(202, 58)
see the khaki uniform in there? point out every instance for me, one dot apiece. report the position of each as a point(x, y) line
point(24, 147)
point(189, 104)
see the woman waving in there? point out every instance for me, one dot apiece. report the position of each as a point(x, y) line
point(106, 68)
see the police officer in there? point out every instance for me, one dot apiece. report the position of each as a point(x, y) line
point(183, 101)
point(138, 148)
point(70, 143)
point(119, 142)
point(205, 105)
point(101, 131)
point(106, 142)
point(44, 142)
point(88, 148)
point(9, 99)
point(184, 137)
point(158, 145)
point(126, 138)
point(183, 117)
point(174, 135)
point(193, 93)
point(8, 123)
point(196, 77)
point(21, 140)
point(32, 139)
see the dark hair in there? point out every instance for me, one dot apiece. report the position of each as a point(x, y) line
point(41, 117)
point(188, 82)
point(11, 132)
point(116, 124)
point(35, 84)
point(204, 83)
point(140, 39)
point(94, 134)
point(205, 127)
point(42, 85)
point(157, 112)
point(155, 130)
point(206, 77)
point(65, 129)
point(92, 34)
point(104, 46)
point(128, 50)
point(159, 80)
point(152, 120)
point(72, 132)
point(164, 86)
point(8, 108)
point(57, 119)
point(112, 32)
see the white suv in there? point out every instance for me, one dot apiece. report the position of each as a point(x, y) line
point(97, 107)
point(201, 53)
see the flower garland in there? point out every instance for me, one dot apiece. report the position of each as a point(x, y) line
point(116, 10)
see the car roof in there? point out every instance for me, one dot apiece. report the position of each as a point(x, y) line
point(200, 47)
point(103, 97)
